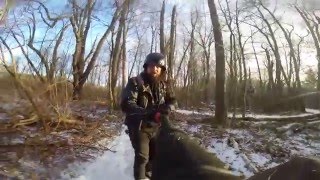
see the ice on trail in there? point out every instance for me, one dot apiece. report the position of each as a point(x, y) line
point(118, 165)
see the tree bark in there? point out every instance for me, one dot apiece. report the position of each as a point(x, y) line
point(162, 43)
point(258, 66)
point(232, 80)
point(172, 43)
point(220, 113)
point(124, 51)
point(117, 53)
point(243, 85)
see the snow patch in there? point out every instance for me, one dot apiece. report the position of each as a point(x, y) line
point(259, 159)
point(118, 165)
point(230, 156)
point(313, 111)
point(194, 128)
point(262, 122)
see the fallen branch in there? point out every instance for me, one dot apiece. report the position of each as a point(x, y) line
point(25, 122)
point(244, 156)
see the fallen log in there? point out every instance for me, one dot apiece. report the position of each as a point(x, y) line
point(235, 145)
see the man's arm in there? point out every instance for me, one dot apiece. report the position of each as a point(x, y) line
point(129, 99)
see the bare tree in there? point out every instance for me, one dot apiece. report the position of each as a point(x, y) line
point(185, 50)
point(190, 63)
point(275, 50)
point(48, 51)
point(287, 35)
point(312, 26)
point(172, 43)
point(232, 80)
point(205, 40)
point(162, 39)
point(124, 55)
point(115, 61)
point(81, 24)
point(220, 112)
point(139, 36)
point(269, 66)
point(269, 35)
point(257, 61)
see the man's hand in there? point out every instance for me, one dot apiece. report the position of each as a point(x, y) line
point(154, 115)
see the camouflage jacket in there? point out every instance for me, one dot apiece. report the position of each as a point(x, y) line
point(138, 96)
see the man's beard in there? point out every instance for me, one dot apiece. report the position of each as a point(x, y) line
point(154, 79)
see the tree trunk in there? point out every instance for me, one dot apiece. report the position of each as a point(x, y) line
point(243, 85)
point(153, 33)
point(258, 66)
point(117, 53)
point(172, 44)
point(81, 23)
point(231, 81)
point(162, 43)
point(270, 70)
point(181, 61)
point(220, 113)
point(124, 54)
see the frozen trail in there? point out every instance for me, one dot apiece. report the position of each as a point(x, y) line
point(118, 165)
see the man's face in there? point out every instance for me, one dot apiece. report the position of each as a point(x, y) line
point(154, 70)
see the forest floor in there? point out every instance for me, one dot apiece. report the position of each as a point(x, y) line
point(28, 152)
point(103, 150)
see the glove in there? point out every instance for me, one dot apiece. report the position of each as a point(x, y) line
point(154, 115)
point(157, 117)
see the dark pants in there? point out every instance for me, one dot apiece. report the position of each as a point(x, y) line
point(143, 143)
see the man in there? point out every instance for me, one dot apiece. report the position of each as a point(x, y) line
point(144, 99)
